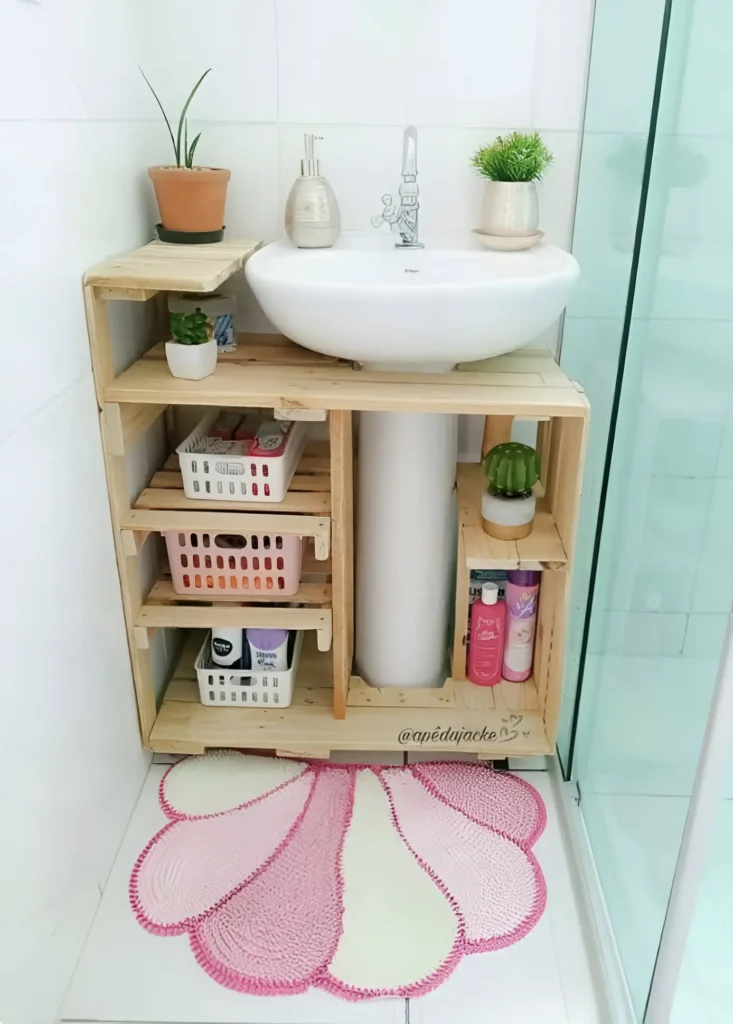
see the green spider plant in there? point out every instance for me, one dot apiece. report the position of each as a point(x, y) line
point(181, 137)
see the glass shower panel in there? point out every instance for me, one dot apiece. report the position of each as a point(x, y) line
point(664, 579)
point(705, 987)
point(622, 74)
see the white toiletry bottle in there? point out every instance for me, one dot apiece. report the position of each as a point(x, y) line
point(312, 217)
point(226, 646)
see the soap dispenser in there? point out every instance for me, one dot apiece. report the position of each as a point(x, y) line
point(312, 217)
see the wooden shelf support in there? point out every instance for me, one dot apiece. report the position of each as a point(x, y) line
point(342, 557)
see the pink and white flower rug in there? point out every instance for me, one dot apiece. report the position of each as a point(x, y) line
point(363, 881)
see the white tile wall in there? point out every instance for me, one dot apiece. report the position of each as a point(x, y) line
point(470, 64)
point(70, 755)
point(79, 128)
point(357, 71)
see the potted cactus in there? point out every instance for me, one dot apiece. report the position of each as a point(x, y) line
point(191, 352)
point(508, 504)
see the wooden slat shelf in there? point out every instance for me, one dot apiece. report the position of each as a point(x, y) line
point(186, 616)
point(543, 549)
point(231, 522)
point(459, 694)
point(526, 384)
point(332, 708)
point(264, 349)
point(308, 727)
point(162, 266)
point(162, 592)
point(309, 492)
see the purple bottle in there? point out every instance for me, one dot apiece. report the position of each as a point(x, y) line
point(269, 649)
point(522, 590)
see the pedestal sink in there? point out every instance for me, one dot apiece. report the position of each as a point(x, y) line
point(420, 311)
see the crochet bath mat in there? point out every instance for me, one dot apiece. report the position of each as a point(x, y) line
point(363, 881)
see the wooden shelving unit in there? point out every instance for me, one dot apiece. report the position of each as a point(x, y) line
point(332, 709)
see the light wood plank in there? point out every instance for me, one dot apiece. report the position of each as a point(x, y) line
point(543, 549)
point(342, 555)
point(156, 616)
point(568, 441)
point(264, 348)
point(160, 266)
point(188, 727)
point(127, 294)
point(316, 459)
point(127, 423)
point(130, 584)
point(232, 522)
point(307, 593)
point(305, 696)
point(309, 503)
point(497, 430)
point(312, 482)
point(461, 626)
point(361, 695)
point(100, 342)
point(342, 388)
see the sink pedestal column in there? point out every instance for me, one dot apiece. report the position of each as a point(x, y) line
point(406, 543)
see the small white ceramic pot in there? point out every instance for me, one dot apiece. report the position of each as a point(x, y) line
point(510, 208)
point(192, 362)
point(507, 518)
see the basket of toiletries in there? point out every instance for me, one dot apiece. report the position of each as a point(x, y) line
point(251, 668)
point(208, 562)
point(239, 455)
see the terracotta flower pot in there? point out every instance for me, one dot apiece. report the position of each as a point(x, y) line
point(190, 200)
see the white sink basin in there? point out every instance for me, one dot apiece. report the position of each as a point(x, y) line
point(426, 308)
point(408, 309)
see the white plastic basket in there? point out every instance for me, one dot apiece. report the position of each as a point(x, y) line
point(221, 687)
point(224, 477)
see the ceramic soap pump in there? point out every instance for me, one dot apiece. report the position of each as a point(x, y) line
point(312, 217)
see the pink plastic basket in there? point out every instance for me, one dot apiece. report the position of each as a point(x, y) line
point(234, 563)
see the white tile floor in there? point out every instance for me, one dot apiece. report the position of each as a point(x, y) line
point(637, 839)
point(127, 975)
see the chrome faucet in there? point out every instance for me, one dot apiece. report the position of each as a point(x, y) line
point(403, 218)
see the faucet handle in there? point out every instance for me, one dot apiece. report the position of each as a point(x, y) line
point(389, 214)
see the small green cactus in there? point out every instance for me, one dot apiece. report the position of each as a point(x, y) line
point(190, 328)
point(511, 470)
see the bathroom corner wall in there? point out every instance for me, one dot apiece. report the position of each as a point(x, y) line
point(73, 190)
point(356, 72)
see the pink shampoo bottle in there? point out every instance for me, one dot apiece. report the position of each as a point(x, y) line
point(488, 627)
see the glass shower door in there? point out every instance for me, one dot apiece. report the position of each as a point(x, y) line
point(663, 569)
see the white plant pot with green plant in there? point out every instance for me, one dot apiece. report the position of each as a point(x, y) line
point(191, 353)
point(512, 165)
point(508, 503)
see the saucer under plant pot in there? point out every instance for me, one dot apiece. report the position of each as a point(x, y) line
point(191, 199)
point(508, 503)
point(511, 165)
point(191, 352)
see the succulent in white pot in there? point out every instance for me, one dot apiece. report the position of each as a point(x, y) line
point(508, 503)
point(512, 164)
point(191, 352)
